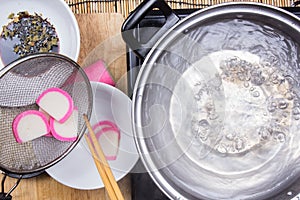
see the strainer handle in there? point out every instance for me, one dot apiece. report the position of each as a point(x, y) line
point(7, 196)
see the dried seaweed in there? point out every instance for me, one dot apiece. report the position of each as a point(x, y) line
point(33, 33)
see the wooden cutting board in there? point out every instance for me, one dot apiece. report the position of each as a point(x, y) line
point(100, 39)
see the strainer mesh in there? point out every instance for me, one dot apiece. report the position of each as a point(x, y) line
point(20, 87)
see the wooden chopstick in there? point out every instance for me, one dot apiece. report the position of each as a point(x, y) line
point(102, 165)
point(108, 186)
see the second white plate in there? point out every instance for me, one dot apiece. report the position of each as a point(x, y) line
point(78, 170)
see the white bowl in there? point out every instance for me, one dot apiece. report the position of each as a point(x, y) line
point(77, 169)
point(57, 12)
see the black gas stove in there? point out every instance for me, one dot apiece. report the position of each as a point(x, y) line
point(143, 188)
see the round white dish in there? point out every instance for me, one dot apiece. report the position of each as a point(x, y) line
point(57, 12)
point(77, 169)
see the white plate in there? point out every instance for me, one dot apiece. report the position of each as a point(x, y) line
point(78, 170)
point(57, 12)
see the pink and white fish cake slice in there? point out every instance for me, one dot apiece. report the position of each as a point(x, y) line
point(103, 124)
point(57, 103)
point(66, 131)
point(109, 139)
point(30, 125)
point(48, 119)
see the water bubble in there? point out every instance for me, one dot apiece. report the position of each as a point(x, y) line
point(285, 114)
point(213, 115)
point(185, 31)
point(241, 76)
point(274, 78)
point(202, 129)
point(239, 144)
point(266, 64)
point(296, 103)
point(234, 62)
point(246, 65)
point(289, 95)
point(203, 137)
point(209, 106)
point(230, 136)
point(282, 104)
point(272, 105)
point(246, 84)
point(200, 92)
point(203, 123)
point(257, 78)
point(290, 80)
point(279, 136)
point(296, 117)
point(217, 88)
point(221, 148)
point(224, 75)
point(296, 111)
point(216, 81)
point(265, 114)
point(255, 94)
point(248, 77)
point(264, 133)
point(198, 83)
point(271, 108)
point(251, 89)
point(281, 79)
point(273, 59)
point(197, 97)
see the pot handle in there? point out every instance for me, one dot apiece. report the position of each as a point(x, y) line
point(141, 49)
point(295, 3)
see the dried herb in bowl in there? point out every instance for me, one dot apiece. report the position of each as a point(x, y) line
point(27, 34)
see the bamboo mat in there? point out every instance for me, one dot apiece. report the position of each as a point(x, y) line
point(126, 6)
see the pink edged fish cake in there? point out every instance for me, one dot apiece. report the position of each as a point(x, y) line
point(66, 131)
point(57, 103)
point(108, 136)
point(103, 124)
point(30, 125)
point(48, 119)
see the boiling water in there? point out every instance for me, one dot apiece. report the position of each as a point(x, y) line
point(241, 109)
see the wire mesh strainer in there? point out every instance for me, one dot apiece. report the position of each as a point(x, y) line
point(21, 82)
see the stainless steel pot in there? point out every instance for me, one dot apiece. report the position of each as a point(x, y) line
point(216, 104)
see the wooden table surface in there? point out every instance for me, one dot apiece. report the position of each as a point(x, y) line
point(100, 39)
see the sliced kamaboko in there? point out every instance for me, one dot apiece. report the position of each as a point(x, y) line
point(66, 131)
point(57, 103)
point(30, 125)
point(48, 120)
point(103, 124)
point(109, 139)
